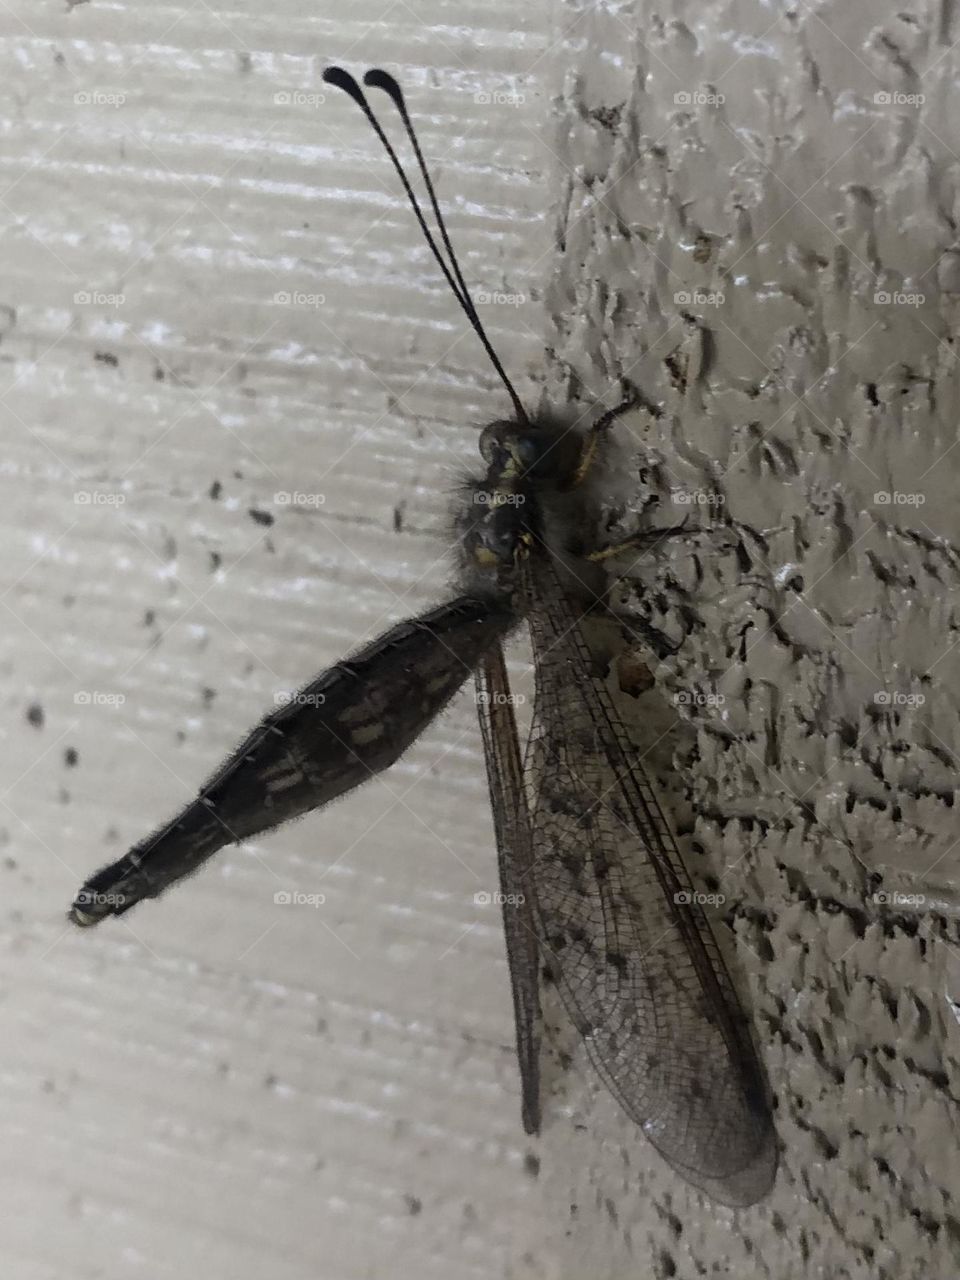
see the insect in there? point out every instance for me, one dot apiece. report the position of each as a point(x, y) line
point(596, 897)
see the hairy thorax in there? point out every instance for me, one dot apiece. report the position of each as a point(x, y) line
point(531, 501)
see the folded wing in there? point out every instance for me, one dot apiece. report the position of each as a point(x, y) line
point(631, 952)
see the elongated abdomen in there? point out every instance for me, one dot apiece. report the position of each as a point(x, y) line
point(351, 722)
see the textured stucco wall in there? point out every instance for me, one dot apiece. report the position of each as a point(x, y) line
point(227, 1087)
point(764, 238)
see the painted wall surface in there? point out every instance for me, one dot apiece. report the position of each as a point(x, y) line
point(235, 394)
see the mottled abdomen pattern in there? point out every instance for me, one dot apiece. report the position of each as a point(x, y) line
point(348, 724)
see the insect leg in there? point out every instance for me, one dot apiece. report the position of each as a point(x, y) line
point(638, 541)
point(591, 443)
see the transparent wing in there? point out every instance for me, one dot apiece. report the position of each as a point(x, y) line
point(511, 820)
point(631, 952)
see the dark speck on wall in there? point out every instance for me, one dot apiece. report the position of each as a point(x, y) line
point(71, 757)
point(607, 117)
point(399, 511)
point(106, 357)
point(215, 490)
point(531, 1164)
point(261, 517)
point(208, 696)
point(414, 1204)
point(35, 715)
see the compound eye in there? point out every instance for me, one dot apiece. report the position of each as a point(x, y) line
point(525, 449)
point(491, 442)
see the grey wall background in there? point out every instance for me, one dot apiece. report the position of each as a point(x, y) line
point(751, 211)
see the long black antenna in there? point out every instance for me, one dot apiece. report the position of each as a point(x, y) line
point(379, 79)
point(382, 80)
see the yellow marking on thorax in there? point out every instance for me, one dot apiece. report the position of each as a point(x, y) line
point(366, 734)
